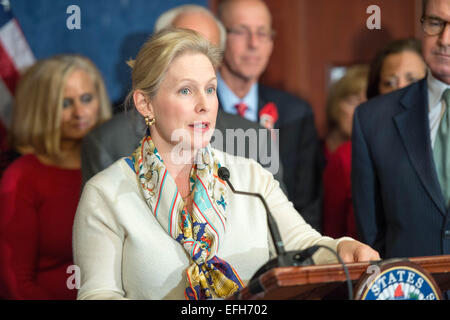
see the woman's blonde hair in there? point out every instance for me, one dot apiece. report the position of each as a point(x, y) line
point(354, 82)
point(38, 103)
point(156, 55)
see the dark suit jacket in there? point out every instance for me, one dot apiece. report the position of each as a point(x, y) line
point(300, 152)
point(399, 206)
point(121, 135)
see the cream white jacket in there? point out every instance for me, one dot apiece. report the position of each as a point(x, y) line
point(123, 252)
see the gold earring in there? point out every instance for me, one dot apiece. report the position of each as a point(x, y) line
point(149, 122)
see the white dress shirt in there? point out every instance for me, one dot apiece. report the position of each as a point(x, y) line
point(229, 100)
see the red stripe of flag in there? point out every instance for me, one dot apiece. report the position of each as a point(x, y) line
point(8, 71)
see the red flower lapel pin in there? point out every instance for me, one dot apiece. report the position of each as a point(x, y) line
point(268, 115)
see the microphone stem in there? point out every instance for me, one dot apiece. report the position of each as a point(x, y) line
point(274, 232)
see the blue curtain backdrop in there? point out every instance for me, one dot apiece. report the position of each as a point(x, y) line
point(112, 32)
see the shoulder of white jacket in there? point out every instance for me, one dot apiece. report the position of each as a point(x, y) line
point(116, 172)
point(233, 162)
point(243, 170)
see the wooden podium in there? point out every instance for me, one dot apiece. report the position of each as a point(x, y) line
point(329, 281)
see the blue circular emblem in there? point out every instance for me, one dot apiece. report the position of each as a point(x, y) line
point(400, 283)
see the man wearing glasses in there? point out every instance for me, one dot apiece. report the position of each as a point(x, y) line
point(401, 155)
point(248, 49)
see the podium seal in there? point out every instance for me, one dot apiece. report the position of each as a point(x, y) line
point(400, 280)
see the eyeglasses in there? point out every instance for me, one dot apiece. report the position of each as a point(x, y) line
point(245, 33)
point(433, 26)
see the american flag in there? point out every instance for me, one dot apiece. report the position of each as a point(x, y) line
point(15, 55)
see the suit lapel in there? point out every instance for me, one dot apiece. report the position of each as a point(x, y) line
point(413, 126)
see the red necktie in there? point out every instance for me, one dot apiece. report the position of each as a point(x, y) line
point(241, 108)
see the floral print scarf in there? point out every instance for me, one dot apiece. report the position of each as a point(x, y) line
point(199, 230)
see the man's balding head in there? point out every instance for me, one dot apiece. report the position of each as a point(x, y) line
point(195, 18)
point(226, 8)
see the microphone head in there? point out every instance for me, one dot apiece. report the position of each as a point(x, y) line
point(223, 173)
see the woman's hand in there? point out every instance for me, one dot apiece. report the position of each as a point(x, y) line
point(355, 251)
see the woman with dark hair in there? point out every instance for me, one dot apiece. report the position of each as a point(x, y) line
point(395, 66)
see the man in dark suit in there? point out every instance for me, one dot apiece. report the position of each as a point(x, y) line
point(400, 160)
point(248, 49)
point(120, 136)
